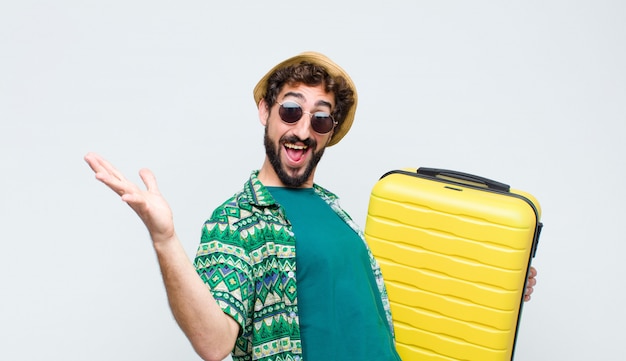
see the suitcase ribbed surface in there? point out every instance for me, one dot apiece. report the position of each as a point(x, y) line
point(455, 261)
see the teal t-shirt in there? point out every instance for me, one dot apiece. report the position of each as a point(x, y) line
point(340, 310)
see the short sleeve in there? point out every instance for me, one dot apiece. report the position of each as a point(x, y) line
point(222, 263)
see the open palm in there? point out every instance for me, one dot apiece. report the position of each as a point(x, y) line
point(149, 204)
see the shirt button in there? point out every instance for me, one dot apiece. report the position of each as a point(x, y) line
point(291, 274)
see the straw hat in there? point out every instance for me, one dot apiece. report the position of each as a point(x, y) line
point(332, 69)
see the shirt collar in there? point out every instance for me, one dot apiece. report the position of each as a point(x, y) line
point(258, 195)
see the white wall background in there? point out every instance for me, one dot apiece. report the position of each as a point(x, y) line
point(532, 93)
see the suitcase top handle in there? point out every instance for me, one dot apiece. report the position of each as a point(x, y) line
point(463, 178)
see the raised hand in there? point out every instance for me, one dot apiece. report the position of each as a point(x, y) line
point(149, 204)
point(209, 329)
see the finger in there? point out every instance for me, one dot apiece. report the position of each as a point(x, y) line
point(107, 174)
point(532, 273)
point(149, 180)
point(118, 185)
point(528, 292)
point(94, 161)
point(102, 167)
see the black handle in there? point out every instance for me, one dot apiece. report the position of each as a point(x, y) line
point(463, 178)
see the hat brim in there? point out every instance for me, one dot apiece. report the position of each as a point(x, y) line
point(333, 69)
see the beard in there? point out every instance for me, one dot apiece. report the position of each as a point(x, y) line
point(273, 154)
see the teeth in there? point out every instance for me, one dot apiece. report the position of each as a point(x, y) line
point(297, 147)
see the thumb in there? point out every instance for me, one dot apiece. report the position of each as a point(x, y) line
point(149, 180)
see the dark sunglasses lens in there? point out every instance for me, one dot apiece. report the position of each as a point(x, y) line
point(290, 112)
point(322, 123)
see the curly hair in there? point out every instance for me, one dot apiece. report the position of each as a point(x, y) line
point(312, 75)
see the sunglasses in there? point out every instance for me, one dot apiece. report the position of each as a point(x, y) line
point(321, 122)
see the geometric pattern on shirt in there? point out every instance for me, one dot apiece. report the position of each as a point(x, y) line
point(246, 257)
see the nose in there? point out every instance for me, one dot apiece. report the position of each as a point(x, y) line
point(302, 128)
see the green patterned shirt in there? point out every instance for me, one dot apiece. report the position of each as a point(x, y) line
point(247, 257)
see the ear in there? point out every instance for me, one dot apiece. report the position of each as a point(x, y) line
point(264, 112)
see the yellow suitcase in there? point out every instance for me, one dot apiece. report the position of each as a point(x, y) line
point(455, 250)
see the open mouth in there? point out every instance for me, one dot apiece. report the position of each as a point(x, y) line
point(295, 152)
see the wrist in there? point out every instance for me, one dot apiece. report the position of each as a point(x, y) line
point(163, 242)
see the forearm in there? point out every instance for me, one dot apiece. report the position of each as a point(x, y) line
point(211, 332)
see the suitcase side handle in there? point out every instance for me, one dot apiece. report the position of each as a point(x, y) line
point(463, 178)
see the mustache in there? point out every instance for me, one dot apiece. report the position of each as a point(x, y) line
point(309, 142)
